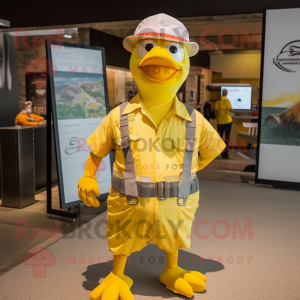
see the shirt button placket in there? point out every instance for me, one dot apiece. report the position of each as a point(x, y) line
point(158, 158)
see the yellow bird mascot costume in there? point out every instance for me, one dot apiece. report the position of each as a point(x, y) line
point(160, 143)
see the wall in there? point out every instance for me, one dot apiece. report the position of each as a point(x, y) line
point(200, 59)
point(120, 87)
point(111, 87)
point(120, 83)
point(115, 53)
point(197, 80)
point(8, 81)
point(236, 68)
point(236, 65)
point(31, 58)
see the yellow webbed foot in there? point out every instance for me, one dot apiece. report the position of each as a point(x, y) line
point(113, 288)
point(127, 279)
point(183, 282)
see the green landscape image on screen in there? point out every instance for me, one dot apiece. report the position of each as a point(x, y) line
point(79, 96)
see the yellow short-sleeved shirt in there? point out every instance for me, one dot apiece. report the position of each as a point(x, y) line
point(158, 155)
point(223, 107)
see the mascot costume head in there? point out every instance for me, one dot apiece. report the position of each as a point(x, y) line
point(160, 51)
point(149, 199)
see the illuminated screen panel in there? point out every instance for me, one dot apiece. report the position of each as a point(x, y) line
point(240, 97)
point(279, 129)
point(79, 103)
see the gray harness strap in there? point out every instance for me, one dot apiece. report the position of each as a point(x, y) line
point(162, 190)
point(154, 189)
point(130, 185)
point(186, 176)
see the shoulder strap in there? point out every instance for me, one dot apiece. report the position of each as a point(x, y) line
point(189, 108)
point(186, 176)
point(122, 107)
point(130, 184)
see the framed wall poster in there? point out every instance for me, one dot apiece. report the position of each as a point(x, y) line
point(278, 145)
point(79, 97)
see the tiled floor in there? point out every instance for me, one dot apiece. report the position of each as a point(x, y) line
point(17, 233)
point(228, 169)
point(253, 257)
point(18, 236)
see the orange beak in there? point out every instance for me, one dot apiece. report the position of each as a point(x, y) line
point(159, 66)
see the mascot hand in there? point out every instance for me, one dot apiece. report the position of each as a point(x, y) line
point(112, 288)
point(88, 190)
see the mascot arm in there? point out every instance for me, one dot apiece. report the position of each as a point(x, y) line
point(88, 188)
point(22, 119)
point(100, 144)
point(37, 118)
point(210, 144)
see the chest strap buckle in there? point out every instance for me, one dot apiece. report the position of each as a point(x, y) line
point(160, 190)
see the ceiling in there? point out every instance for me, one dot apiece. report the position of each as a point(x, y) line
point(215, 34)
point(218, 33)
point(4, 23)
point(33, 13)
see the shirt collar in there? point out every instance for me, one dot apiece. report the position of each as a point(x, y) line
point(134, 104)
point(178, 108)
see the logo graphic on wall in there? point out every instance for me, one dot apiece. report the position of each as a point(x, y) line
point(288, 60)
point(73, 146)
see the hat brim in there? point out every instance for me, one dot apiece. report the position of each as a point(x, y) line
point(130, 42)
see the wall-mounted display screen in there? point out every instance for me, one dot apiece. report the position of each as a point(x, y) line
point(279, 121)
point(240, 97)
point(79, 104)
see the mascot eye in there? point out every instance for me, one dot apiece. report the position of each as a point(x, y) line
point(148, 47)
point(176, 51)
point(173, 49)
point(145, 47)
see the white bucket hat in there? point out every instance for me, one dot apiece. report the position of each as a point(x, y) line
point(161, 26)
